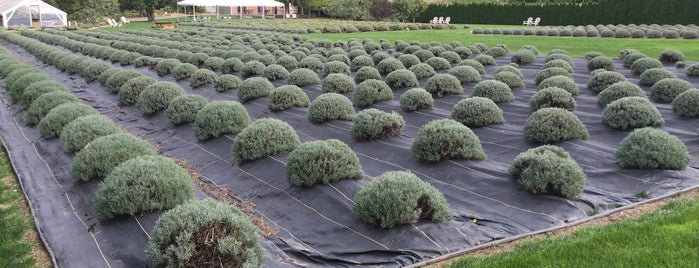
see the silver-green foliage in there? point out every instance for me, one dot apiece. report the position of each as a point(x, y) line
point(671, 56)
point(650, 148)
point(97, 159)
point(202, 77)
point(253, 68)
point(366, 73)
point(142, 184)
point(336, 67)
point(45, 103)
point(84, 130)
point(129, 91)
point(275, 72)
point(422, 70)
point(560, 81)
point(17, 86)
point(551, 72)
point(264, 137)
point(465, 74)
point(560, 64)
point(52, 124)
point(512, 80)
point(415, 99)
point(651, 76)
point(37, 89)
point(477, 112)
point(401, 78)
point(303, 77)
point(373, 124)
point(446, 138)
point(253, 88)
point(687, 103)
point(475, 64)
point(548, 125)
point(400, 197)
point(523, 56)
point(183, 109)
point(287, 96)
point(438, 63)
point(485, 59)
point(370, 92)
point(693, 70)
point(668, 89)
point(330, 106)
point(156, 97)
point(617, 91)
point(226, 82)
point(167, 66)
point(641, 65)
point(389, 65)
point(442, 84)
point(603, 79)
point(552, 97)
point(220, 117)
point(323, 161)
point(600, 62)
point(338, 83)
point(548, 169)
point(494, 90)
point(178, 237)
point(631, 112)
point(183, 71)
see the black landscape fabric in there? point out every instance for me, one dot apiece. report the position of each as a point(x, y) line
point(316, 225)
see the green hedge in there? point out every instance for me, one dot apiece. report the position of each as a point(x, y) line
point(287, 96)
point(156, 97)
point(103, 154)
point(548, 169)
point(264, 137)
point(477, 112)
point(84, 129)
point(183, 109)
point(373, 124)
point(548, 125)
point(400, 197)
point(650, 148)
point(142, 184)
point(209, 234)
point(570, 13)
point(52, 124)
point(370, 92)
point(687, 103)
point(415, 99)
point(44, 103)
point(322, 161)
point(552, 97)
point(631, 112)
point(330, 106)
point(220, 117)
point(446, 138)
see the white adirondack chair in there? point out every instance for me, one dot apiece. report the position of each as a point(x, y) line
point(113, 23)
point(447, 20)
point(123, 20)
point(528, 22)
point(293, 16)
point(441, 19)
point(434, 20)
point(536, 21)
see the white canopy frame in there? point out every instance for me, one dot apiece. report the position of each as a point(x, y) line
point(230, 3)
point(20, 13)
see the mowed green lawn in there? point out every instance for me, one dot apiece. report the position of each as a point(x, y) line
point(576, 46)
point(665, 238)
point(14, 247)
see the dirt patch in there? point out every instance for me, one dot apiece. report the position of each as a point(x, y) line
point(631, 213)
point(227, 195)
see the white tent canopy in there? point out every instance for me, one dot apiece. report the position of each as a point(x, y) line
point(31, 13)
point(230, 3)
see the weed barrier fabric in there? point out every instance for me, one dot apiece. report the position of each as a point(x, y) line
point(316, 225)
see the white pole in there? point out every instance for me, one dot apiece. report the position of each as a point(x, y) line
point(263, 11)
point(240, 12)
point(194, 12)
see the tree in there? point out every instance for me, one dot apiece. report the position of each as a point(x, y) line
point(90, 11)
point(410, 9)
point(348, 10)
point(381, 10)
point(148, 6)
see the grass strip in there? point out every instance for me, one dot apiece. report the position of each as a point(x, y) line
point(668, 237)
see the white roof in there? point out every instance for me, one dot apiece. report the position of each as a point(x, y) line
point(7, 6)
point(230, 3)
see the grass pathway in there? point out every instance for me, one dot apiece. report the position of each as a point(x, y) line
point(19, 244)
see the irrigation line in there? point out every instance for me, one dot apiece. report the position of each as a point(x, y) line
point(556, 228)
